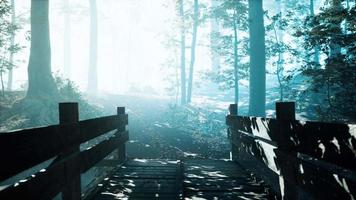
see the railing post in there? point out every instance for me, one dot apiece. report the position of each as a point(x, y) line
point(68, 113)
point(233, 109)
point(121, 127)
point(286, 111)
point(234, 148)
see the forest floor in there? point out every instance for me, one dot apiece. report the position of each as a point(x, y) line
point(159, 129)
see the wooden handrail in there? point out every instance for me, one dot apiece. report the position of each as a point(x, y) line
point(23, 149)
point(313, 158)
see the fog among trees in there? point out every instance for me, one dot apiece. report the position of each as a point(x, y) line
point(176, 65)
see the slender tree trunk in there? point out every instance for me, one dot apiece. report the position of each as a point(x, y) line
point(279, 65)
point(335, 48)
point(12, 42)
point(215, 59)
point(316, 58)
point(257, 100)
point(192, 53)
point(92, 73)
point(40, 80)
point(182, 59)
point(279, 39)
point(236, 72)
point(2, 84)
point(67, 41)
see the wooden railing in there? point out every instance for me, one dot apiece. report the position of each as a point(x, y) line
point(23, 149)
point(300, 160)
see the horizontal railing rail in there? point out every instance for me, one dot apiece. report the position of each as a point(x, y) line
point(314, 160)
point(22, 149)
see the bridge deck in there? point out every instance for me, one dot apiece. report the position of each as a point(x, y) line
point(190, 179)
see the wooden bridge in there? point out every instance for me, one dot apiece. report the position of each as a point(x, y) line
point(271, 159)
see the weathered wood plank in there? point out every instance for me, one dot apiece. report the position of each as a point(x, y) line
point(47, 184)
point(93, 155)
point(143, 179)
point(92, 128)
point(331, 142)
point(23, 149)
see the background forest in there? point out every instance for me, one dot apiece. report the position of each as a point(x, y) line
point(176, 65)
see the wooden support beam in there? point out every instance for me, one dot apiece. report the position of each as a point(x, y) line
point(121, 128)
point(233, 109)
point(234, 149)
point(69, 113)
point(285, 110)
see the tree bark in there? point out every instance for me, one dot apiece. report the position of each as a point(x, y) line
point(215, 59)
point(67, 41)
point(236, 75)
point(192, 53)
point(257, 100)
point(335, 48)
point(12, 42)
point(92, 73)
point(316, 54)
point(182, 58)
point(40, 80)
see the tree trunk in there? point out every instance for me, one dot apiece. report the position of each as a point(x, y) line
point(316, 58)
point(12, 42)
point(92, 73)
point(236, 75)
point(40, 80)
point(67, 41)
point(257, 100)
point(335, 49)
point(192, 53)
point(279, 40)
point(182, 58)
point(215, 58)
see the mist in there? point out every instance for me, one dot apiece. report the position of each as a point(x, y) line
point(191, 75)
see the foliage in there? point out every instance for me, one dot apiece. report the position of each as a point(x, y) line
point(69, 92)
point(334, 31)
point(7, 31)
point(280, 53)
point(230, 14)
point(205, 127)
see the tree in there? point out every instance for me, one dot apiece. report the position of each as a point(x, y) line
point(67, 40)
point(192, 53)
point(257, 85)
point(40, 80)
point(316, 48)
point(182, 57)
point(7, 46)
point(92, 73)
point(12, 43)
point(336, 80)
point(232, 16)
point(214, 30)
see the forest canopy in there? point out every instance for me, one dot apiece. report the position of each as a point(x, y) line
point(187, 52)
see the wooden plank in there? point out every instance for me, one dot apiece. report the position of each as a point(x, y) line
point(92, 128)
point(233, 195)
point(209, 179)
point(142, 179)
point(319, 179)
point(69, 113)
point(23, 149)
point(93, 155)
point(47, 184)
point(331, 142)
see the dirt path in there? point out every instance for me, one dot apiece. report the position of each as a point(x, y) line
point(152, 135)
